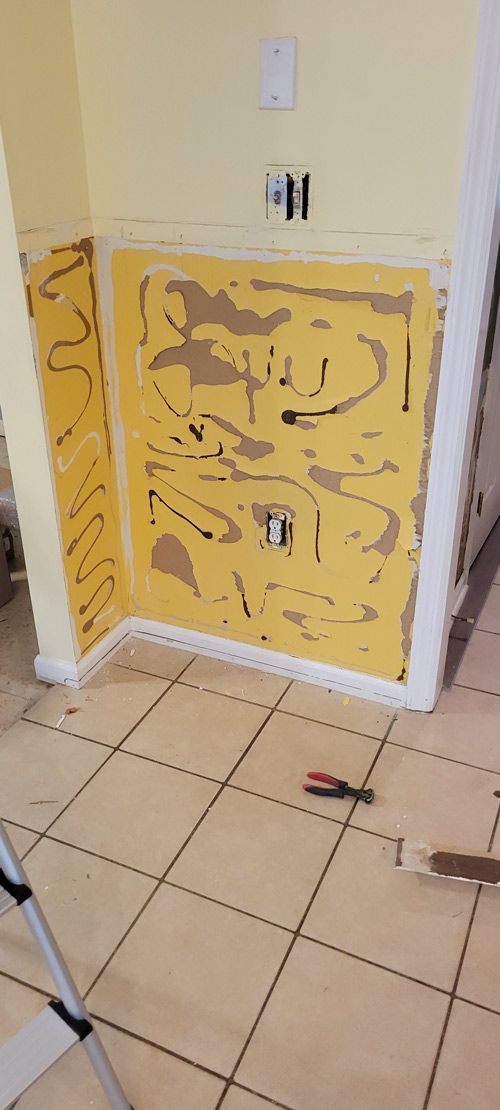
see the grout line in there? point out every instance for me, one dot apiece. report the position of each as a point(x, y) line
point(478, 1005)
point(475, 689)
point(289, 805)
point(98, 855)
point(374, 963)
point(258, 1094)
point(171, 766)
point(228, 906)
point(447, 758)
point(296, 934)
point(114, 1025)
point(24, 983)
point(155, 1044)
point(174, 860)
point(64, 732)
point(495, 826)
point(220, 694)
point(343, 728)
point(89, 780)
point(457, 979)
point(438, 1054)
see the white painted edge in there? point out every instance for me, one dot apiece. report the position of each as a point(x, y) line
point(68, 673)
point(460, 372)
point(438, 271)
point(352, 683)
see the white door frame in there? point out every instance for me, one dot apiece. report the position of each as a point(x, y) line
point(460, 371)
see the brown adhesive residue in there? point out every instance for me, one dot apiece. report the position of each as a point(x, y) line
point(380, 302)
point(296, 618)
point(170, 556)
point(478, 869)
point(248, 447)
point(332, 480)
point(408, 614)
point(260, 512)
point(320, 324)
point(417, 503)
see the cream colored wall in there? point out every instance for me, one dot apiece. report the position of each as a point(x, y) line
point(176, 143)
point(40, 114)
point(23, 416)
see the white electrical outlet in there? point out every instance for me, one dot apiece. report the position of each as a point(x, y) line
point(288, 195)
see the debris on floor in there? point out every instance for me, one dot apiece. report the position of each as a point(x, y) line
point(448, 863)
point(67, 712)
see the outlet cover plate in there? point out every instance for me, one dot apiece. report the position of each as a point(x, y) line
point(288, 195)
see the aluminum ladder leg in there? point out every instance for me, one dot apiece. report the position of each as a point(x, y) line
point(62, 1024)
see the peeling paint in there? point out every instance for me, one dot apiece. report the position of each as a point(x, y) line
point(208, 353)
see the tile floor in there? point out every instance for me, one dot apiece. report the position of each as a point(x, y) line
point(243, 944)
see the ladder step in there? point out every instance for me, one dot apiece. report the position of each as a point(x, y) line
point(31, 1052)
point(7, 902)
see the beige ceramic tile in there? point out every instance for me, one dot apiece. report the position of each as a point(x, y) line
point(161, 660)
point(495, 848)
point(18, 1005)
point(425, 798)
point(339, 1032)
point(288, 747)
point(480, 667)
point(240, 682)
point(89, 903)
point(480, 977)
point(11, 708)
point(465, 726)
point(197, 731)
point(192, 975)
point(106, 708)
point(144, 1072)
point(238, 1099)
point(257, 856)
point(489, 617)
point(468, 1073)
point(136, 812)
point(410, 923)
point(332, 708)
point(18, 647)
point(22, 839)
point(41, 771)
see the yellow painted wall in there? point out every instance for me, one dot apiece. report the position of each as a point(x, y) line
point(244, 380)
point(63, 299)
point(250, 384)
point(40, 113)
point(174, 135)
point(23, 417)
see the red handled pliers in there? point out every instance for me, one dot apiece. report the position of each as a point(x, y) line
point(335, 788)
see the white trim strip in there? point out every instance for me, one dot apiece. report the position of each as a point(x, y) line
point(459, 374)
point(352, 683)
point(69, 673)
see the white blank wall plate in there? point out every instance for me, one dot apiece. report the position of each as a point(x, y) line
point(277, 73)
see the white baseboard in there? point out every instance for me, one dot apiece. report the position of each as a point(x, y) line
point(347, 682)
point(70, 673)
point(303, 670)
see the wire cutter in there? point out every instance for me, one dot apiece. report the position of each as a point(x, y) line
point(335, 788)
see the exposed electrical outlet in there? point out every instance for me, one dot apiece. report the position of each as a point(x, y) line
point(288, 195)
point(276, 530)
